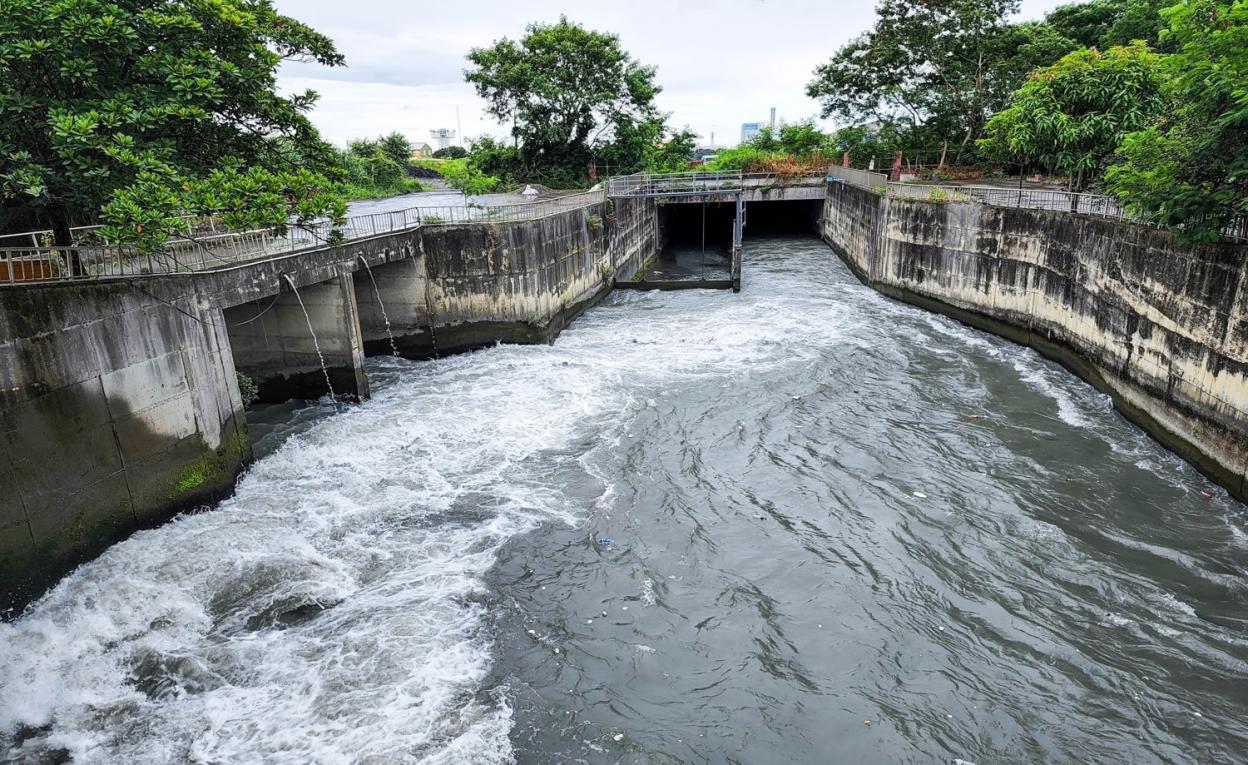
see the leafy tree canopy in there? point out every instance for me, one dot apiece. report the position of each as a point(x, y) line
point(142, 112)
point(396, 147)
point(1071, 116)
point(571, 95)
point(673, 155)
point(1191, 170)
point(934, 69)
point(1107, 23)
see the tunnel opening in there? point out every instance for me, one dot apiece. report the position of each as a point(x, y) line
point(696, 237)
point(787, 218)
point(695, 242)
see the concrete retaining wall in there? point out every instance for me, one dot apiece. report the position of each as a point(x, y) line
point(1159, 326)
point(117, 408)
point(480, 284)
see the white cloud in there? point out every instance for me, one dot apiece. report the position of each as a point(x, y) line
point(720, 64)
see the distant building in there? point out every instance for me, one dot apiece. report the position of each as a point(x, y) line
point(444, 136)
point(749, 130)
point(422, 151)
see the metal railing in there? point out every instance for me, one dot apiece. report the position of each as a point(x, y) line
point(866, 179)
point(207, 247)
point(1101, 205)
point(1035, 199)
point(474, 213)
point(694, 183)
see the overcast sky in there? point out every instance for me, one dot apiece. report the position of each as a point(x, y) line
point(720, 64)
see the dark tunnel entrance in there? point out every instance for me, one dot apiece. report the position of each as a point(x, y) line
point(695, 240)
point(793, 218)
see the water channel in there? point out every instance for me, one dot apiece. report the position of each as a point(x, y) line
point(799, 524)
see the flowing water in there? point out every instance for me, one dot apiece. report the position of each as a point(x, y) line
point(823, 527)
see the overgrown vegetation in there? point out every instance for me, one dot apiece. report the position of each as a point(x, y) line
point(1190, 168)
point(377, 168)
point(247, 389)
point(1072, 117)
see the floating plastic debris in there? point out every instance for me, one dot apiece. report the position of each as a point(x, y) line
point(618, 737)
point(605, 541)
point(920, 495)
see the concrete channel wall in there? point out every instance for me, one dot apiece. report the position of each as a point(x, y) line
point(1159, 326)
point(119, 402)
point(469, 286)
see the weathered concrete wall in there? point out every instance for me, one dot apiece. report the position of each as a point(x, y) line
point(1159, 326)
point(118, 406)
point(282, 341)
point(522, 282)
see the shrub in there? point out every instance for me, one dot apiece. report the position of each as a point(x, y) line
point(247, 389)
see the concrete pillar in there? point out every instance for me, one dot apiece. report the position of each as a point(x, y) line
point(281, 342)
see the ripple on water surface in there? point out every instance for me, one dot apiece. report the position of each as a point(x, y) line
point(839, 529)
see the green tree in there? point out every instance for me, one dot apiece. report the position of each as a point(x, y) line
point(934, 70)
point(396, 147)
point(803, 138)
point(1072, 116)
point(1191, 170)
point(567, 91)
point(1107, 23)
point(866, 142)
point(673, 154)
point(141, 112)
point(1085, 23)
point(766, 139)
point(1140, 20)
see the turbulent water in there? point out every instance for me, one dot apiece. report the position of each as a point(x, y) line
point(822, 527)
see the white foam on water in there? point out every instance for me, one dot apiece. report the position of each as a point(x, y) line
point(1032, 372)
point(981, 342)
point(1170, 601)
point(1238, 535)
point(333, 609)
